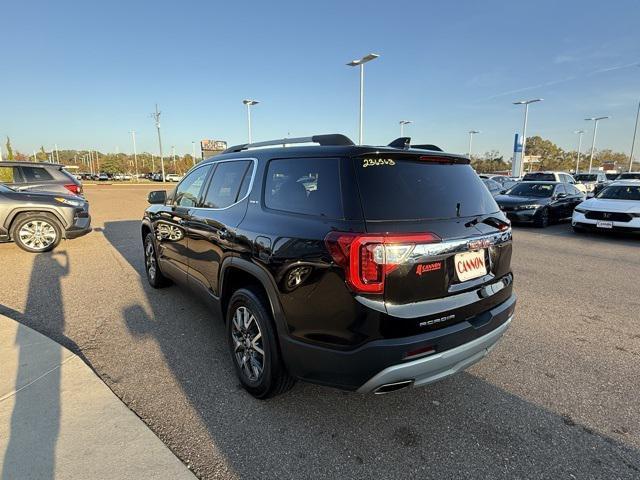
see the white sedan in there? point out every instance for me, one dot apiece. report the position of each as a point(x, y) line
point(616, 207)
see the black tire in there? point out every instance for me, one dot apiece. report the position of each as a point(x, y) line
point(273, 379)
point(36, 232)
point(154, 276)
point(542, 218)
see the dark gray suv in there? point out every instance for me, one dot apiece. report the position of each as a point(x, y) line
point(37, 221)
point(45, 177)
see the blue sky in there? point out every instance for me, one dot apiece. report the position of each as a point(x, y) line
point(83, 74)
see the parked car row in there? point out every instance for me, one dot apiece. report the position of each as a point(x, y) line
point(591, 200)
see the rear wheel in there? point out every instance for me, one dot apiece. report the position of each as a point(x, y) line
point(253, 346)
point(542, 219)
point(36, 232)
point(154, 276)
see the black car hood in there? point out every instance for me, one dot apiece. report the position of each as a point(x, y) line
point(513, 200)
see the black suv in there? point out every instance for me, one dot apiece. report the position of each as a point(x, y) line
point(359, 267)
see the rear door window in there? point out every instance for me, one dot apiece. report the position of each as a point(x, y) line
point(309, 186)
point(36, 174)
point(412, 189)
point(224, 187)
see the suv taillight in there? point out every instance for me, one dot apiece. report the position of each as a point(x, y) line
point(368, 259)
point(73, 188)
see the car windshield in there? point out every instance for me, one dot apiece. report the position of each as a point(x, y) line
point(530, 189)
point(405, 188)
point(586, 177)
point(539, 176)
point(629, 176)
point(5, 188)
point(620, 192)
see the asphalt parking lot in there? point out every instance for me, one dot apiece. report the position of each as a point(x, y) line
point(558, 397)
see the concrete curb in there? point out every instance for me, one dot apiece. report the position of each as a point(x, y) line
point(59, 420)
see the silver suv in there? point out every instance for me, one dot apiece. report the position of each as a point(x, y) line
point(37, 221)
point(45, 177)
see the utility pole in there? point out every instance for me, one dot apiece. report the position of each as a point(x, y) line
point(193, 152)
point(633, 142)
point(57, 154)
point(135, 153)
point(471, 134)
point(579, 132)
point(360, 63)
point(156, 116)
point(595, 132)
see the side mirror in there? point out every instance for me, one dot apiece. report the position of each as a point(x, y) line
point(561, 195)
point(502, 192)
point(157, 197)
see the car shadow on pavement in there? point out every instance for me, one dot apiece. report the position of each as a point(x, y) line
point(35, 419)
point(462, 427)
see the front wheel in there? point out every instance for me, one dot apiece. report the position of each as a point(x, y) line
point(253, 346)
point(542, 219)
point(36, 232)
point(154, 276)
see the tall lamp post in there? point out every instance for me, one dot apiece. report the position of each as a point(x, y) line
point(580, 133)
point(633, 142)
point(249, 103)
point(471, 134)
point(156, 117)
point(402, 124)
point(360, 63)
point(595, 132)
point(193, 152)
point(135, 152)
point(517, 167)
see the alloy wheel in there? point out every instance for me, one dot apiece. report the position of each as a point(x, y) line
point(150, 260)
point(248, 347)
point(37, 234)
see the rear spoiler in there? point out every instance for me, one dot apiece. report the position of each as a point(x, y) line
point(405, 143)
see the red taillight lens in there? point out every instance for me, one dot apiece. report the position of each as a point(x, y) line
point(73, 188)
point(367, 259)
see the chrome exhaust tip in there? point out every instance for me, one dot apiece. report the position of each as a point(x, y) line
point(392, 387)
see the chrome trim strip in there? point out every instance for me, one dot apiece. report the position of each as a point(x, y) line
point(455, 246)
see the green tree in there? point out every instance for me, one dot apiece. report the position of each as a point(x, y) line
point(9, 150)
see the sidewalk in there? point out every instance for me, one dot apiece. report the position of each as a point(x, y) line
point(59, 421)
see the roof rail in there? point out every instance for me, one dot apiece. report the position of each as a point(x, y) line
point(404, 143)
point(333, 139)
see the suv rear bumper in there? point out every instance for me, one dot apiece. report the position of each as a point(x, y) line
point(371, 365)
point(436, 367)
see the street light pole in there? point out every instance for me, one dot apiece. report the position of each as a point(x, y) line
point(193, 152)
point(471, 134)
point(402, 124)
point(249, 103)
point(593, 141)
point(156, 116)
point(579, 132)
point(57, 155)
point(360, 63)
point(633, 142)
point(517, 167)
point(135, 153)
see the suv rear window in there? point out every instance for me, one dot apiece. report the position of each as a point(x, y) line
point(412, 189)
point(35, 174)
point(304, 185)
point(539, 177)
point(9, 175)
